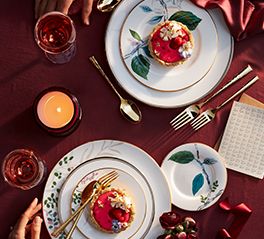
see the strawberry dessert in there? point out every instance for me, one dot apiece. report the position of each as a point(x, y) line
point(171, 43)
point(111, 211)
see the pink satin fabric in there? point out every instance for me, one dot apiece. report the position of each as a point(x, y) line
point(244, 18)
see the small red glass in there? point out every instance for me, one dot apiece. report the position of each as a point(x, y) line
point(55, 34)
point(23, 169)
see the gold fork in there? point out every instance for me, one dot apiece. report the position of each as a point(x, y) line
point(209, 114)
point(193, 110)
point(102, 182)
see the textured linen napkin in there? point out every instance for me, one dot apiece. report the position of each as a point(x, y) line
point(244, 18)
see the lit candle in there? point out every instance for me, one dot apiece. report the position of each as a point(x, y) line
point(57, 111)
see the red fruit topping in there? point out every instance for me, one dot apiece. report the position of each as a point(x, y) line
point(119, 214)
point(176, 43)
point(186, 37)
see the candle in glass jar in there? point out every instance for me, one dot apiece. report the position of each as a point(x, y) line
point(57, 111)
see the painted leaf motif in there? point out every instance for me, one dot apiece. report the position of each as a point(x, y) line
point(187, 18)
point(182, 157)
point(197, 183)
point(135, 35)
point(154, 20)
point(146, 50)
point(140, 65)
point(146, 8)
point(209, 161)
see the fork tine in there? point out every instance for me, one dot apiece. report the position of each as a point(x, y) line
point(183, 122)
point(178, 117)
point(201, 123)
point(109, 180)
point(105, 176)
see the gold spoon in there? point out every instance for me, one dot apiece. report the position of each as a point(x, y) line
point(127, 107)
point(86, 194)
point(107, 5)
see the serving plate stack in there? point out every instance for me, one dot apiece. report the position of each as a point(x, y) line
point(139, 176)
point(156, 85)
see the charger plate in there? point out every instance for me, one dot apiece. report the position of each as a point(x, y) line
point(165, 99)
point(125, 152)
point(134, 35)
point(130, 180)
point(196, 175)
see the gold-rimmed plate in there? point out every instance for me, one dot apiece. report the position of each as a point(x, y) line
point(164, 99)
point(121, 153)
point(134, 50)
point(130, 180)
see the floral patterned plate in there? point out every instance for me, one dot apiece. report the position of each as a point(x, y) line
point(125, 152)
point(196, 175)
point(134, 39)
point(130, 180)
point(166, 99)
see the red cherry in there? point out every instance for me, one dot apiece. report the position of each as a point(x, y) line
point(176, 43)
point(186, 37)
point(119, 214)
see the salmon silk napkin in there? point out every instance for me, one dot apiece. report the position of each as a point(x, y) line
point(244, 18)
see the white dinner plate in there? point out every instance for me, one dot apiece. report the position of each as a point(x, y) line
point(145, 171)
point(141, 21)
point(196, 174)
point(130, 180)
point(161, 98)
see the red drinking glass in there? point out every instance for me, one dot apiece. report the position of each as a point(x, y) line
point(55, 34)
point(23, 169)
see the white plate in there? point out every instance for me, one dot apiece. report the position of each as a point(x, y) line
point(129, 153)
point(134, 186)
point(142, 19)
point(159, 98)
point(196, 175)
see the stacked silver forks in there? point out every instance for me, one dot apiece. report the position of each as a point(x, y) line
point(197, 119)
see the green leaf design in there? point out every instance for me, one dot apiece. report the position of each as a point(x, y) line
point(140, 65)
point(209, 161)
point(182, 157)
point(197, 183)
point(187, 18)
point(146, 50)
point(135, 35)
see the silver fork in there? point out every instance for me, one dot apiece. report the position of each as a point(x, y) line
point(193, 110)
point(209, 114)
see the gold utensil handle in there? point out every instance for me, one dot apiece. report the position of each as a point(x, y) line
point(235, 79)
point(65, 224)
point(74, 225)
point(251, 82)
point(96, 64)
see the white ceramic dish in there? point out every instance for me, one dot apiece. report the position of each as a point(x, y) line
point(130, 180)
point(159, 98)
point(132, 155)
point(141, 20)
point(196, 175)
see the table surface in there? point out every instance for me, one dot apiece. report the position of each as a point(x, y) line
point(25, 72)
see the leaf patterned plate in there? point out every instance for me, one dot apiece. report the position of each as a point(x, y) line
point(166, 99)
point(130, 180)
point(134, 39)
point(139, 165)
point(196, 175)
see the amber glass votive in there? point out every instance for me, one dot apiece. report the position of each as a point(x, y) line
point(57, 111)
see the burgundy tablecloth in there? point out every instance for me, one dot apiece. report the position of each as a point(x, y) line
point(24, 72)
